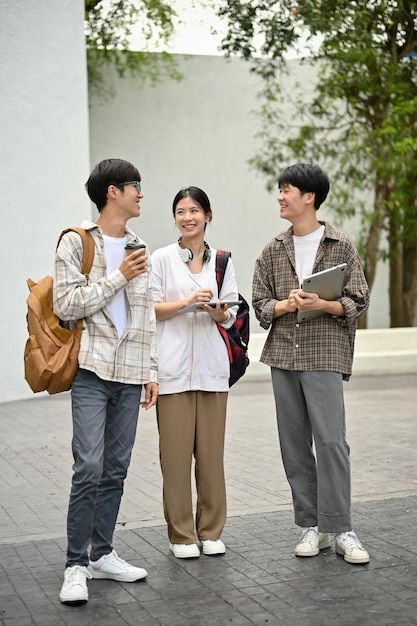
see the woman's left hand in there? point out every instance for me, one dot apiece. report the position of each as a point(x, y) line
point(219, 313)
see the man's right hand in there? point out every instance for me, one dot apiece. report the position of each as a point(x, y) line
point(134, 264)
point(286, 306)
point(291, 301)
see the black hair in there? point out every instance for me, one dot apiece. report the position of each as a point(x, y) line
point(109, 172)
point(196, 194)
point(307, 177)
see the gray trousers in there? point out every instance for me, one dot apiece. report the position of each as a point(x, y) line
point(105, 416)
point(310, 407)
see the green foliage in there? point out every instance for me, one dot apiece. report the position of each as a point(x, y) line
point(356, 114)
point(108, 28)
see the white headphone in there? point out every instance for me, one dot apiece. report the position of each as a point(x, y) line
point(187, 255)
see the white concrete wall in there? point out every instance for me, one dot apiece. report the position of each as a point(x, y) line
point(45, 155)
point(202, 131)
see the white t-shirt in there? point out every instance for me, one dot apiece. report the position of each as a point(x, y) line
point(114, 251)
point(305, 250)
point(192, 355)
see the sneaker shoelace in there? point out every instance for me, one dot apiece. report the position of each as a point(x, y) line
point(77, 574)
point(310, 534)
point(116, 558)
point(351, 541)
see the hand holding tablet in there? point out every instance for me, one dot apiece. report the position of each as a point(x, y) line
point(327, 284)
point(197, 306)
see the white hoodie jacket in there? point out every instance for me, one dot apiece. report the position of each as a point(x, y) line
point(191, 352)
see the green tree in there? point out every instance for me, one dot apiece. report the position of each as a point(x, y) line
point(108, 27)
point(354, 111)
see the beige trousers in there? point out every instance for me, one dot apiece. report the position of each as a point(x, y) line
point(193, 422)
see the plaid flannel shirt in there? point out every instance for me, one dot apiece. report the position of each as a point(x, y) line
point(130, 358)
point(322, 343)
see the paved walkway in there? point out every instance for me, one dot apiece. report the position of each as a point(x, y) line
point(258, 581)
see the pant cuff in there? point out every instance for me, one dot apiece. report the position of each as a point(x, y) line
point(306, 518)
point(334, 523)
point(96, 555)
point(82, 562)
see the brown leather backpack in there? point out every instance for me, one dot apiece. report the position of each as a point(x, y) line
point(51, 351)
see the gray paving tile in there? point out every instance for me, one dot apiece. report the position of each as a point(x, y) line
point(258, 581)
point(35, 457)
point(247, 585)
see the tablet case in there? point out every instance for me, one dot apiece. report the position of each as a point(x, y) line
point(328, 284)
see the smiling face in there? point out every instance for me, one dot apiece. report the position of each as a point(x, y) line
point(294, 205)
point(190, 218)
point(128, 199)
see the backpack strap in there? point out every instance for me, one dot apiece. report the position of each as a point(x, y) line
point(88, 247)
point(222, 259)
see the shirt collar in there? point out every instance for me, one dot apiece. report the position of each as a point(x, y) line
point(131, 236)
point(329, 232)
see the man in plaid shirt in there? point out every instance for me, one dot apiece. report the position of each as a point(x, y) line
point(117, 358)
point(310, 359)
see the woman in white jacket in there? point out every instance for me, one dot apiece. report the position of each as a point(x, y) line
point(193, 377)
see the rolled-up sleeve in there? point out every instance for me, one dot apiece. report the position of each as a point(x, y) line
point(263, 299)
point(355, 297)
point(74, 297)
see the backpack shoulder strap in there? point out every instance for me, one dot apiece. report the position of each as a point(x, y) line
point(222, 259)
point(88, 247)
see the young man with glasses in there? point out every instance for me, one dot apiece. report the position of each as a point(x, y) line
point(116, 359)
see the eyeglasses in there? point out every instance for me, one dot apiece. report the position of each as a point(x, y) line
point(135, 183)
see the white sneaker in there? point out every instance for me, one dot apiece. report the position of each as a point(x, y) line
point(74, 588)
point(349, 546)
point(184, 550)
point(113, 567)
point(213, 547)
point(311, 542)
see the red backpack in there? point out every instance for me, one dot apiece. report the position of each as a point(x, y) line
point(236, 337)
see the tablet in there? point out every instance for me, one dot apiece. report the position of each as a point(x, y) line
point(197, 306)
point(327, 284)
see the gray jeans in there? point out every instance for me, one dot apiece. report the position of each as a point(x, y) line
point(105, 416)
point(310, 406)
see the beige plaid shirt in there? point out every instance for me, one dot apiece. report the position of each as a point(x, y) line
point(130, 358)
point(325, 342)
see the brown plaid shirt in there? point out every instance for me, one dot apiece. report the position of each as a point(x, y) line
point(130, 359)
point(325, 342)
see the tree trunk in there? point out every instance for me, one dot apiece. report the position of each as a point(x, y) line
point(396, 273)
point(373, 239)
point(410, 283)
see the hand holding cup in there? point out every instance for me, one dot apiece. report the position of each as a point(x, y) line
point(135, 262)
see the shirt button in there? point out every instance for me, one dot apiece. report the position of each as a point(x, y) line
point(297, 325)
point(296, 345)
